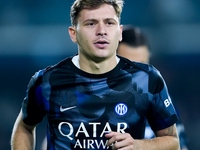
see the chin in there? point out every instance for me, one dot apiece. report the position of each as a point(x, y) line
point(99, 58)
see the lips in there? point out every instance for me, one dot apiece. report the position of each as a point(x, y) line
point(101, 43)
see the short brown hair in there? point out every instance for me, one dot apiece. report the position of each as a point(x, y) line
point(79, 5)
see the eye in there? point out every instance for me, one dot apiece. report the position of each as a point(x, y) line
point(90, 23)
point(110, 22)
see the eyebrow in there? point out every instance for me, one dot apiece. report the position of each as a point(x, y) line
point(92, 19)
point(89, 20)
point(112, 19)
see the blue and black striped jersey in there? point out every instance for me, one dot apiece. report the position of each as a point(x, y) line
point(82, 107)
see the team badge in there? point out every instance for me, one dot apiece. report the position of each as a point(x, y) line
point(121, 109)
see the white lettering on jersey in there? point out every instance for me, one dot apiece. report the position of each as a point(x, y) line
point(119, 127)
point(101, 143)
point(107, 126)
point(167, 102)
point(78, 144)
point(82, 126)
point(89, 143)
point(95, 128)
point(70, 127)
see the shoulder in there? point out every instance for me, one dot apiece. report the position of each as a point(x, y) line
point(137, 66)
point(149, 69)
point(38, 77)
point(156, 81)
point(58, 65)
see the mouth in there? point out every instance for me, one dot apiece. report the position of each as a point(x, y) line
point(101, 43)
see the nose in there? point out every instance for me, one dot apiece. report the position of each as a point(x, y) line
point(101, 30)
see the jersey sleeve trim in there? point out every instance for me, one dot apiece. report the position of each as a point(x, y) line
point(159, 125)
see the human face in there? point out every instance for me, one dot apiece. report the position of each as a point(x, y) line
point(97, 33)
point(139, 54)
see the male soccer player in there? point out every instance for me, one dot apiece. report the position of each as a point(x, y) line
point(96, 99)
point(135, 46)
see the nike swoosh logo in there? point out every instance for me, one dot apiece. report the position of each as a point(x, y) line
point(65, 109)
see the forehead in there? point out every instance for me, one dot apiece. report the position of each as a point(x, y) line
point(102, 12)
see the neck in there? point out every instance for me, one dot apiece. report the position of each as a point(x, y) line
point(99, 67)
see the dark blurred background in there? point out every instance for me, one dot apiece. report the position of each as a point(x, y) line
point(34, 34)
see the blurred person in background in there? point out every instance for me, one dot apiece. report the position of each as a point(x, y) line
point(96, 99)
point(135, 46)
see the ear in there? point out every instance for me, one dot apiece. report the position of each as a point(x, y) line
point(72, 34)
point(120, 35)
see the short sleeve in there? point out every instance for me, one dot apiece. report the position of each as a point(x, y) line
point(161, 113)
point(32, 105)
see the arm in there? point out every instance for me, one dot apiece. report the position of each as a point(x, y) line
point(166, 139)
point(23, 136)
